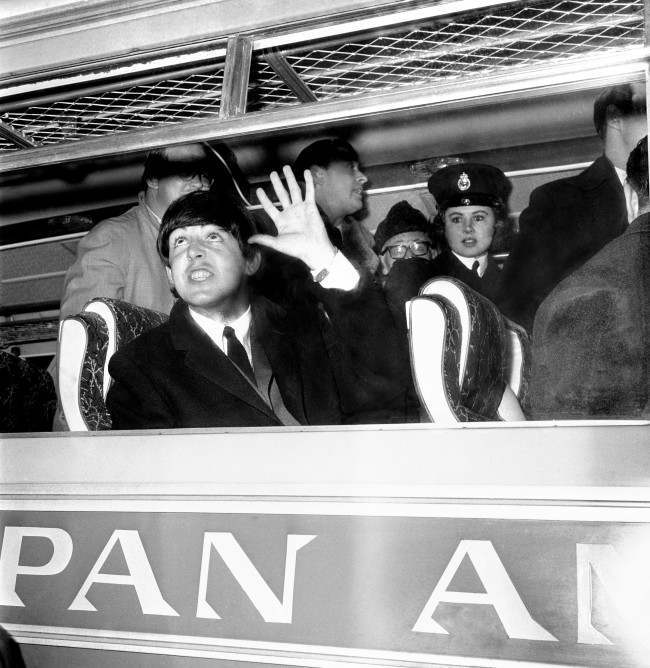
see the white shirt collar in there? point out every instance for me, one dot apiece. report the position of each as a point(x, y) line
point(469, 262)
point(631, 198)
point(213, 327)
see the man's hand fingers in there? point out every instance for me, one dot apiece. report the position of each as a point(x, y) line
point(309, 186)
point(280, 191)
point(269, 207)
point(294, 188)
point(264, 240)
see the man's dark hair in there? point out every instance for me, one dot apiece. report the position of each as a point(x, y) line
point(323, 153)
point(158, 165)
point(206, 208)
point(637, 170)
point(621, 100)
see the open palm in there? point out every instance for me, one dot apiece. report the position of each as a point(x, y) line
point(301, 231)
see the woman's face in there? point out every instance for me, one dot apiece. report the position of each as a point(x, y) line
point(469, 229)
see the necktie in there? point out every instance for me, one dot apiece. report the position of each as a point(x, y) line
point(237, 353)
point(475, 267)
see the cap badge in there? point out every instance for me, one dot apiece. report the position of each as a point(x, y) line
point(463, 182)
point(466, 201)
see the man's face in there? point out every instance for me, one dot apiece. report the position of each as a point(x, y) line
point(414, 244)
point(209, 271)
point(469, 229)
point(339, 188)
point(163, 191)
point(633, 129)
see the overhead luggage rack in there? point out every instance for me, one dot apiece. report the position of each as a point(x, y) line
point(456, 45)
point(463, 46)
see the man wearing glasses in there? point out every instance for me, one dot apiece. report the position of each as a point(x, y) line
point(403, 235)
point(118, 257)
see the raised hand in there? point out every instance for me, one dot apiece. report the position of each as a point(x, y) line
point(301, 231)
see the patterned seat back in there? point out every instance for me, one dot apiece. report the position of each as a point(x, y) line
point(463, 352)
point(87, 342)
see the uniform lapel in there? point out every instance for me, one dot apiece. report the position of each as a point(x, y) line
point(206, 359)
point(271, 331)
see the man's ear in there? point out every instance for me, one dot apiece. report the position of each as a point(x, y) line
point(318, 175)
point(152, 184)
point(170, 278)
point(613, 117)
point(253, 262)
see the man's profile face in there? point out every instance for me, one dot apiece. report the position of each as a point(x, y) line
point(340, 188)
point(416, 244)
point(208, 269)
point(165, 190)
point(633, 129)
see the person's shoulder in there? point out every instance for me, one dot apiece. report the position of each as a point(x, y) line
point(155, 342)
point(113, 228)
point(592, 176)
point(445, 261)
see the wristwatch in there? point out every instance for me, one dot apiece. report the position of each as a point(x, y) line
point(323, 273)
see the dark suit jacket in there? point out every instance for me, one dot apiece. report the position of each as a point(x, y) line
point(335, 363)
point(591, 340)
point(566, 222)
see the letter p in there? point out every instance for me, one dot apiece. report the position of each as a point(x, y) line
point(10, 566)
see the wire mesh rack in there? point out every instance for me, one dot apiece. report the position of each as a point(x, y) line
point(167, 101)
point(514, 37)
point(463, 46)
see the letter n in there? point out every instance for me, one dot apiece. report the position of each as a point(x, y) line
point(140, 576)
point(499, 593)
point(249, 578)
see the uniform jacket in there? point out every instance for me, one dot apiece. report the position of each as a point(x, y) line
point(407, 277)
point(447, 264)
point(591, 340)
point(330, 365)
point(566, 222)
point(118, 259)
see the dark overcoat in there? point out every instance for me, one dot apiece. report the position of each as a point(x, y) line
point(565, 223)
point(335, 363)
point(591, 339)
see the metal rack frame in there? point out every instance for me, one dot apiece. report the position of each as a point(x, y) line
point(624, 57)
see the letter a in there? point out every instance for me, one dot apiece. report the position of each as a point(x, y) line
point(248, 577)
point(10, 566)
point(499, 593)
point(140, 576)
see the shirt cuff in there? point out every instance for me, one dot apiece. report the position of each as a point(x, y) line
point(341, 274)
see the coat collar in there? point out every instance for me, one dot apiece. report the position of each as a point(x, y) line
point(206, 359)
point(600, 170)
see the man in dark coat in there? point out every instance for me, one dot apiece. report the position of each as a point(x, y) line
point(569, 220)
point(590, 339)
point(228, 358)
